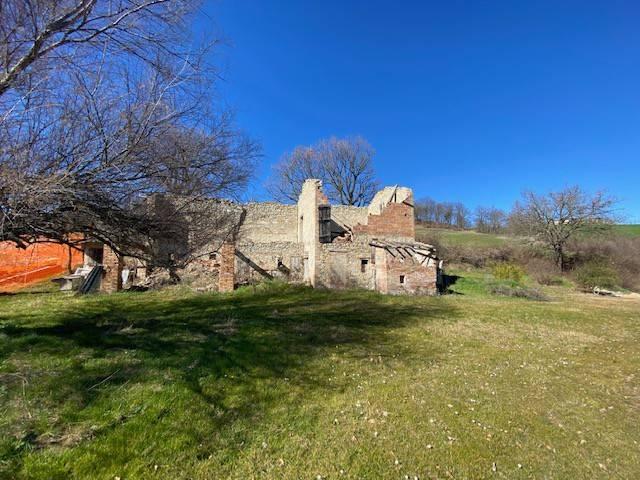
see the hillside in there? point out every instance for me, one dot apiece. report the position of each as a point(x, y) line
point(471, 238)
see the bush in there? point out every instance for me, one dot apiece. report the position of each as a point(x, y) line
point(519, 292)
point(620, 253)
point(544, 271)
point(596, 274)
point(508, 271)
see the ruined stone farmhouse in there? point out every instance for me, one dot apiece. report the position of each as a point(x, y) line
point(311, 242)
point(332, 246)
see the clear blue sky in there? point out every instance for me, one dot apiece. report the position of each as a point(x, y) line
point(463, 100)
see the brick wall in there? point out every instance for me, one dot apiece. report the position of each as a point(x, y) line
point(112, 273)
point(417, 279)
point(226, 275)
point(396, 221)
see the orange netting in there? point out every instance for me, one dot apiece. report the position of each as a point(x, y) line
point(22, 267)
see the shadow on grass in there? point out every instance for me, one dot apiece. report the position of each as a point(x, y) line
point(200, 341)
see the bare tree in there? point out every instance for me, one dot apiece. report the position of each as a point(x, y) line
point(425, 210)
point(481, 215)
point(292, 170)
point(348, 170)
point(44, 35)
point(103, 105)
point(461, 216)
point(497, 220)
point(557, 217)
point(490, 219)
point(442, 213)
point(344, 165)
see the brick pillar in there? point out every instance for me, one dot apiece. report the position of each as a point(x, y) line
point(112, 274)
point(226, 277)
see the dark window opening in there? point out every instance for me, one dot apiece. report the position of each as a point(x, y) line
point(363, 265)
point(401, 279)
point(324, 214)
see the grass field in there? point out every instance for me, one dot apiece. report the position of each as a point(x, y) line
point(473, 239)
point(468, 238)
point(627, 230)
point(287, 383)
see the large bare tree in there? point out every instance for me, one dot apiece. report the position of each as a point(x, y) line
point(104, 104)
point(345, 166)
point(555, 218)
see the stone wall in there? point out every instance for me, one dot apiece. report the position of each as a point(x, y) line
point(266, 260)
point(346, 265)
point(269, 222)
point(283, 241)
point(308, 228)
point(349, 215)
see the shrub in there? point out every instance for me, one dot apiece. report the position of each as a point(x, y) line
point(621, 253)
point(508, 271)
point(596, 274)
point(519, 292)
point(544, 271)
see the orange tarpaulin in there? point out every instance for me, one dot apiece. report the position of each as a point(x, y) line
point(21, 267)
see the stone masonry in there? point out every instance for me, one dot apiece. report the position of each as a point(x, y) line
point(329, 246)
point(316, 243)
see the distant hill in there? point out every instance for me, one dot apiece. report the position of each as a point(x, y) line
point(471, 238)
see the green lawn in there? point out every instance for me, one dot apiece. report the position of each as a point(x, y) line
point(290, 383)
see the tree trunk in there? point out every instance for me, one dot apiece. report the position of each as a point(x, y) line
point(559, 257)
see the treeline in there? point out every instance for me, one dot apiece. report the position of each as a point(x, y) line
point(457, 215)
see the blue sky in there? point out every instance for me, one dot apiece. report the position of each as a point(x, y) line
point(463, 101)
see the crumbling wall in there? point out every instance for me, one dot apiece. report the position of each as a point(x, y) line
point(346, 265)
point(395, 222)
point(226, 274)
point(390, 215)
point(311, 197)
point(349, 215)
point(257, 261)
point(398, 276)
point(112, 271)
point(389, 195)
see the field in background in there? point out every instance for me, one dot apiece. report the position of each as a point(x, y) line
point(627, 230)
point(469, 238)
point(287, 382)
